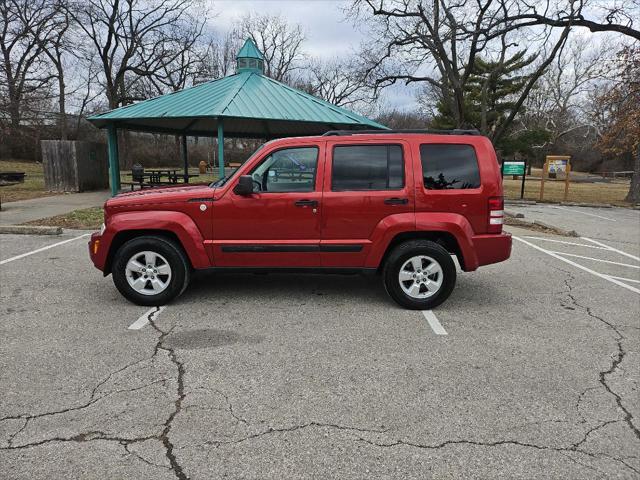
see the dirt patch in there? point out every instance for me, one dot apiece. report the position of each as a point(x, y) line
point(539, 227)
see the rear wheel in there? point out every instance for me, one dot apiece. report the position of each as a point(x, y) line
point(419, 274)
point(150, 270)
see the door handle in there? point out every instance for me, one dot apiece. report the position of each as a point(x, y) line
point(306, 203)
point(396, 201)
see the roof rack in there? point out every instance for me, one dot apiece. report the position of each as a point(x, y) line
point(345, 133)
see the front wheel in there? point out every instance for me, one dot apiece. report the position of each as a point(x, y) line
point(150, 270)
point(419, 275)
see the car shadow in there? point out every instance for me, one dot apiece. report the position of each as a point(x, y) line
point(288, 287)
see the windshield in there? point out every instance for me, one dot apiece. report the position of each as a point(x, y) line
point(222, 181)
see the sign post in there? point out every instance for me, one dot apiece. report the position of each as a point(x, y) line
point(516, 168)
point(556, 164)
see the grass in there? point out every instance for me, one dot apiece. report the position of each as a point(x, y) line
point(83, 219)
point(33, 186)
point(613, 193)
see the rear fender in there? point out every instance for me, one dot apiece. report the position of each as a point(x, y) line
point(456, 225)
point(449, 223)
point(385, 231)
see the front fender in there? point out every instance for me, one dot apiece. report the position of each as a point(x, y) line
point(180, 224)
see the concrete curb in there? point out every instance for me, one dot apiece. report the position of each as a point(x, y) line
point(519, 202)
point(592, 205)
point(568, 204)
point(30, 230)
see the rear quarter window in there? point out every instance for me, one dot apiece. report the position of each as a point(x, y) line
point(449, 167)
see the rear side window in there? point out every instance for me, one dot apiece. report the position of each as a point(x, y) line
point(367, 167)
point(446, 166)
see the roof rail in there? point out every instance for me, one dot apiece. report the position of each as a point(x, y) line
point(345, 133)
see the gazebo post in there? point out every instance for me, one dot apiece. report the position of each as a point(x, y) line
point(114, 161)
point(220, 147)
point(185, 158)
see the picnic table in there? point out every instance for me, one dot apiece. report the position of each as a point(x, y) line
point(155, 177)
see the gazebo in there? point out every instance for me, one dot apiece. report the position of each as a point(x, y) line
point(247, 104)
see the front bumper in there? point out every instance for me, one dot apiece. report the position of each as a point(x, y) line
point(492, 248)
point(98, 251)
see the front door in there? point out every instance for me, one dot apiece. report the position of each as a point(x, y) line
point(364, 186)
point(279, 224)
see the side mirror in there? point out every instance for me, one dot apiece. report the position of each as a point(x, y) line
point(244, 185)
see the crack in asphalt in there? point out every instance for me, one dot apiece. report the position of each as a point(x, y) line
point(437, 446)
point(90, 436)
point(293, 428)
point(142, 459)
point(230, 407)
point(164, 435)
point(96, 435)
point(91, 401)
point(573, 448)
point(617, 360)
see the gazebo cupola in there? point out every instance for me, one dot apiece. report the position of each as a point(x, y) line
point(249, 58)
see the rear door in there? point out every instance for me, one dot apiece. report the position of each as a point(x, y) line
point(363, 184)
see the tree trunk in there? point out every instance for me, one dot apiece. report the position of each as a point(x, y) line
point(634, 190)
point(62, 104)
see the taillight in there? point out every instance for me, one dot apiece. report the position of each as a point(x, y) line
point(496, 215)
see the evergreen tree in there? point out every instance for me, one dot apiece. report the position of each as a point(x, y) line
point(489, 96)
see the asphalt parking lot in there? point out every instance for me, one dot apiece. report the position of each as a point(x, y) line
point(530, 370)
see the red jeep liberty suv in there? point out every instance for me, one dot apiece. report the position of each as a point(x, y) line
point(399, 203)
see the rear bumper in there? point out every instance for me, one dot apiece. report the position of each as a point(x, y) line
point(492, 248)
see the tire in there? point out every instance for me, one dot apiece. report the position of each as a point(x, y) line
point(166, 268)
point(422, 264)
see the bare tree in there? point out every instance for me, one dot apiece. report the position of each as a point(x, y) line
point(130, 38)
point(23, 70)
point(560, 102)
point(221, 54)
point(49, 24)
point(184, 61)
point(437, 43)
point(619, 16)
point(339, 81)
point(279, 42)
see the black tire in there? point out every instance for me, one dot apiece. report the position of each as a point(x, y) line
point(401, 254)
point(177, 260)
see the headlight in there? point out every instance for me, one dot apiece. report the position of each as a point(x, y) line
point(102, 229)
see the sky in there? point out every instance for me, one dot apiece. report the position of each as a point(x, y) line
point(328, 33)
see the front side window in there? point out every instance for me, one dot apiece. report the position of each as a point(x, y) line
point(367, 167)
point(449, 166)
point(287, 170)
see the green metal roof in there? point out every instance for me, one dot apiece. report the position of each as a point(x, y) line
point(249, 103)
point(249, 50)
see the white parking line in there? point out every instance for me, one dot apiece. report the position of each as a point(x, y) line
point(584, 213)
point(611, 248)
point(145, 317)
point(434, 323)
point(566, 243)
point(595, 259)
point(577, 265)
point(18, 257)
point(624, 279)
